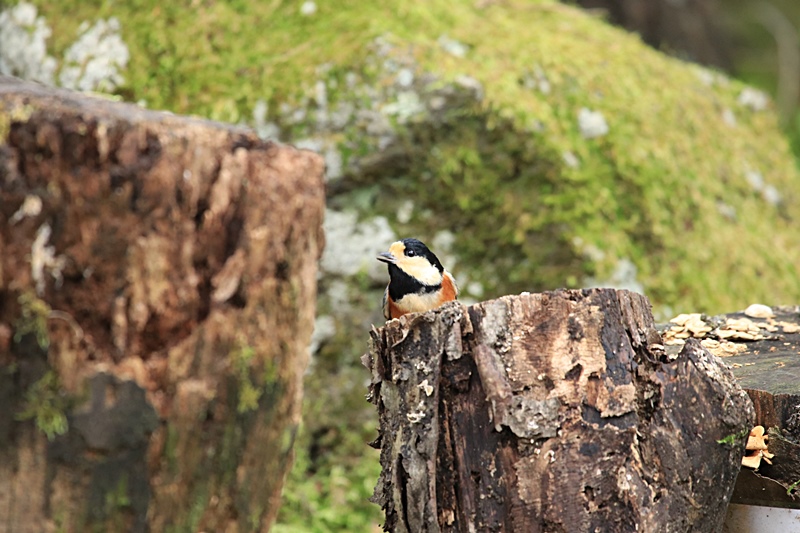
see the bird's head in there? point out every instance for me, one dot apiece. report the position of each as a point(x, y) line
point(413, 258)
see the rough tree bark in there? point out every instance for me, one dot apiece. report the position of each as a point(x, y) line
point(552, 412)
point(157, 289)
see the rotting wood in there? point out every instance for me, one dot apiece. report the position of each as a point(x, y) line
point(551, 412)
point(157, 291)
point(761, 345)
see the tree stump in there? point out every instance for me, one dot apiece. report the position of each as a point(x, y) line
point(762, 347)
point(552, 412)
point(157, 290)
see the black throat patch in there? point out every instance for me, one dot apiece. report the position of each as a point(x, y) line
point(401, 284)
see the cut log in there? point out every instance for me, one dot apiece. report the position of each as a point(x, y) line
point(551, 412)
point(762, 347)
point(157, 290)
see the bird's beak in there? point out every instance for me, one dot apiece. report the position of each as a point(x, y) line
point(386, 257)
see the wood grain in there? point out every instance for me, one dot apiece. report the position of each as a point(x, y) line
point(551, 412)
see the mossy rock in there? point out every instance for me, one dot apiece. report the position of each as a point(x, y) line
point(479, 126)
point(470, 110)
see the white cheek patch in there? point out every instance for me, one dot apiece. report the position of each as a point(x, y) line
point(421, 269)
point(397, 249)
point(416, 303)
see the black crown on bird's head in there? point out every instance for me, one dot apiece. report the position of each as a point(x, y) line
point(416, 247)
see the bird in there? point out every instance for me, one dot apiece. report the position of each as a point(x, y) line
point(417, 280)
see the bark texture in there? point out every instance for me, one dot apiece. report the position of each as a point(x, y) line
point(157, 288)
point(551, 412)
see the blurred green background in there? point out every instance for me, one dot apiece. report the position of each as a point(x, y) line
point(754, 41)
point(530, 143)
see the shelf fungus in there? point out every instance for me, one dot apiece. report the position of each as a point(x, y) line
point(742, 329)
point(718, 333)
point(686, 325)
point(756, 448)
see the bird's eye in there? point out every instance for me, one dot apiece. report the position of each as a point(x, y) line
point(410, 253)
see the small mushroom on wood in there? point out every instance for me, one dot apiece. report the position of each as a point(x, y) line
point(757, 448)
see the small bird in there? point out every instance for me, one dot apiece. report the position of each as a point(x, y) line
point(417, 280)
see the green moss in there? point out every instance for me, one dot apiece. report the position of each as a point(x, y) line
point(334, 471)
point(330, 491)
point(229, 452)
point(61, 521)
point(649, 191)
point(186, 57)
point(254, 519)
point(118, 497)
point(249, 392)
point(197, 509)
point(734, 438)
point(46, 405)
point(170, 449)
point(34, 313)
point(17, 113)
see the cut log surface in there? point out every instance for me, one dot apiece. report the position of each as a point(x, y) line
point(769, 362)
point(762, 347)
point(157, 289)
point(552, 412)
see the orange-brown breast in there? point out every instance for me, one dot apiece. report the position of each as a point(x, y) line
point(449, 289)
point(448, 292)
point(394, 309)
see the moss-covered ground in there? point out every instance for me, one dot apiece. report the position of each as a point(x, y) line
point(691, 184)
point(651, 190)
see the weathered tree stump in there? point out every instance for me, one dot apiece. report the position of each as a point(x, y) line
point(552, 412)
point(157, 289)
